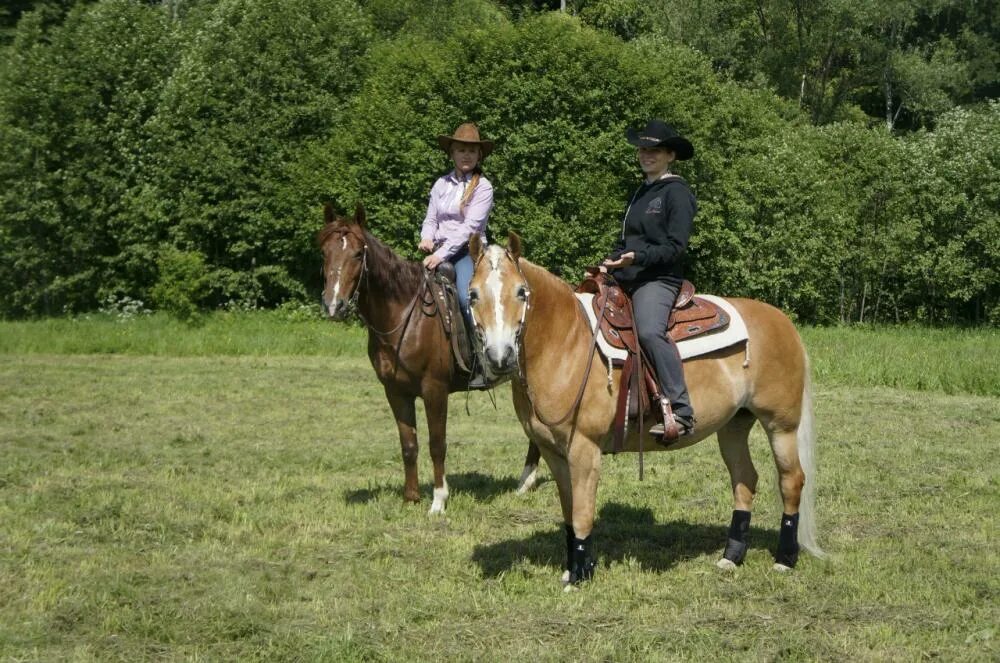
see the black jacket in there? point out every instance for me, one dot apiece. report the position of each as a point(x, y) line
point(657, 227)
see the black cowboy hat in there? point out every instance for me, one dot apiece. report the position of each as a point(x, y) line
point(466, 133)
point(658, 133)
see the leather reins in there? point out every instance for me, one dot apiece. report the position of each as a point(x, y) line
point(522, 370)
point(352, 300)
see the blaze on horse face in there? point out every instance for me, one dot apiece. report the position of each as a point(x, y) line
point(344, 252)
point(499, 300)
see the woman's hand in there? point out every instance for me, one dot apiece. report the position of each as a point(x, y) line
point(426, 245)
point(624, 260)
point(432, 261)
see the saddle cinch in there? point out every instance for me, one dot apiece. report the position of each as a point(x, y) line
point(691, 316)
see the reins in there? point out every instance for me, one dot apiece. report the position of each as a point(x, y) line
point(363, 277)
point(522, 366)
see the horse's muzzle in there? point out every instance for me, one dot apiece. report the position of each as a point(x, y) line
point(336, 310)
point(501, 360)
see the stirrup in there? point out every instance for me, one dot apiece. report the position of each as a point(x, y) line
point(478, 382)
point(685, 426)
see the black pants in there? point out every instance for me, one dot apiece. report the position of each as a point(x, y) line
point(651, 304)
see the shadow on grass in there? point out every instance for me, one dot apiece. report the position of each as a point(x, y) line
point(482, 487)
point(621, 532)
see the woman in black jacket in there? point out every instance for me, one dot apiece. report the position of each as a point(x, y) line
point(648, 259)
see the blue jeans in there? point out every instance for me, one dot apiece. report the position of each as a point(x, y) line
point(463, 275)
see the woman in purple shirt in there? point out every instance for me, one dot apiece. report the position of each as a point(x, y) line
point(459, 206)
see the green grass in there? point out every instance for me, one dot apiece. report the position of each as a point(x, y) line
point(238, 333)
point(196, 506)
point(953, 361)
point(946, 360)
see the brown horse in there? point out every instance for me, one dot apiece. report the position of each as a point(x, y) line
point(407, 343)
point(532, 327)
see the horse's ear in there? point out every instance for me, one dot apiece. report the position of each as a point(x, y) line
point(514, 245)
point(475, 247)
point(328, 215)
point(359, 214)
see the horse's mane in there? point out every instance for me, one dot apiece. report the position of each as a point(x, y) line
point(540, 275)
point(395, 276)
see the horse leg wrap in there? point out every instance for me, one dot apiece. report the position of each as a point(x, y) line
point(788, 544)
point(583, 563)
point(570, 538)
point(737, 545)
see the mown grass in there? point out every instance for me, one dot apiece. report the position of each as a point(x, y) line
point(953, 361)
point(299, 331)
point(208, 507)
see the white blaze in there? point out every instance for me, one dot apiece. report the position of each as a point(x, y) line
point(502, 334)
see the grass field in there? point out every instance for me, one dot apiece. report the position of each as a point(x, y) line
point(232, 491)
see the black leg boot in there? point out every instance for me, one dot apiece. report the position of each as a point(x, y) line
point(583, 563)
point(738, 543)
point(570, 537)
point(788, 541)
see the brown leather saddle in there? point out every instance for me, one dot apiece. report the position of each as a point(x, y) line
point(445, 293)
point(691, 316)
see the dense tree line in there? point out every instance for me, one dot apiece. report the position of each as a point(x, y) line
point(177, 152)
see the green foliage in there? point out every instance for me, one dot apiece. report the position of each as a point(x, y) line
point(74, 101)
point(182, 285)
point(954, 200)
point(215, 128)
point(260, 83)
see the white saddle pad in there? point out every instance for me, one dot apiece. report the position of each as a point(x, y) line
point(692, 347)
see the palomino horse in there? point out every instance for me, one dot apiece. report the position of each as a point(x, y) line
point(532, 327)
point(407, 344)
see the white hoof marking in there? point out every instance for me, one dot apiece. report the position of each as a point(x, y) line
point(565, 578)
point(570, 588)
point(781, 567)
point(726, 564)
point(440, 499)
point(529, 477)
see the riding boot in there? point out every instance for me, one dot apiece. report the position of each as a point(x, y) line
point(478, 381)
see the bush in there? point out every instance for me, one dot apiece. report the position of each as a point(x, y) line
point(182, 284)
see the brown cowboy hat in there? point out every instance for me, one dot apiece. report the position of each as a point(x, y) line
point(466, 133)
point(658, 133)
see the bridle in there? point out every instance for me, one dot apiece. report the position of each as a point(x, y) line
point(522, 372)
point(518, 333)
point(363, 277)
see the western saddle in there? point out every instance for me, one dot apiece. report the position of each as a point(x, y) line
point(691, 316)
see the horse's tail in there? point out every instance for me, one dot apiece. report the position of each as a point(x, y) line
point(807, 459)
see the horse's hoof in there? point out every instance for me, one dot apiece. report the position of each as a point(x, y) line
point(436, 510)
point(570, 588)
point(565, 578)
point(778, 566)
point(726, 564)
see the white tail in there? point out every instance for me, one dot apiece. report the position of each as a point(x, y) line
point(806, 439)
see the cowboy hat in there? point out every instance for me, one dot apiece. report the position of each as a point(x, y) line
point(466, 133)
point(658, 133)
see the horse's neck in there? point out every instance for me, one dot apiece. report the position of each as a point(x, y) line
point(383, 296)
point(554, 313)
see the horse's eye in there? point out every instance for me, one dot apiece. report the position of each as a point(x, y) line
point(473, 297)
point(522, 293)
point(359, 255)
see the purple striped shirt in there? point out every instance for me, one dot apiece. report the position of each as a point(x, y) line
point(444, 225)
